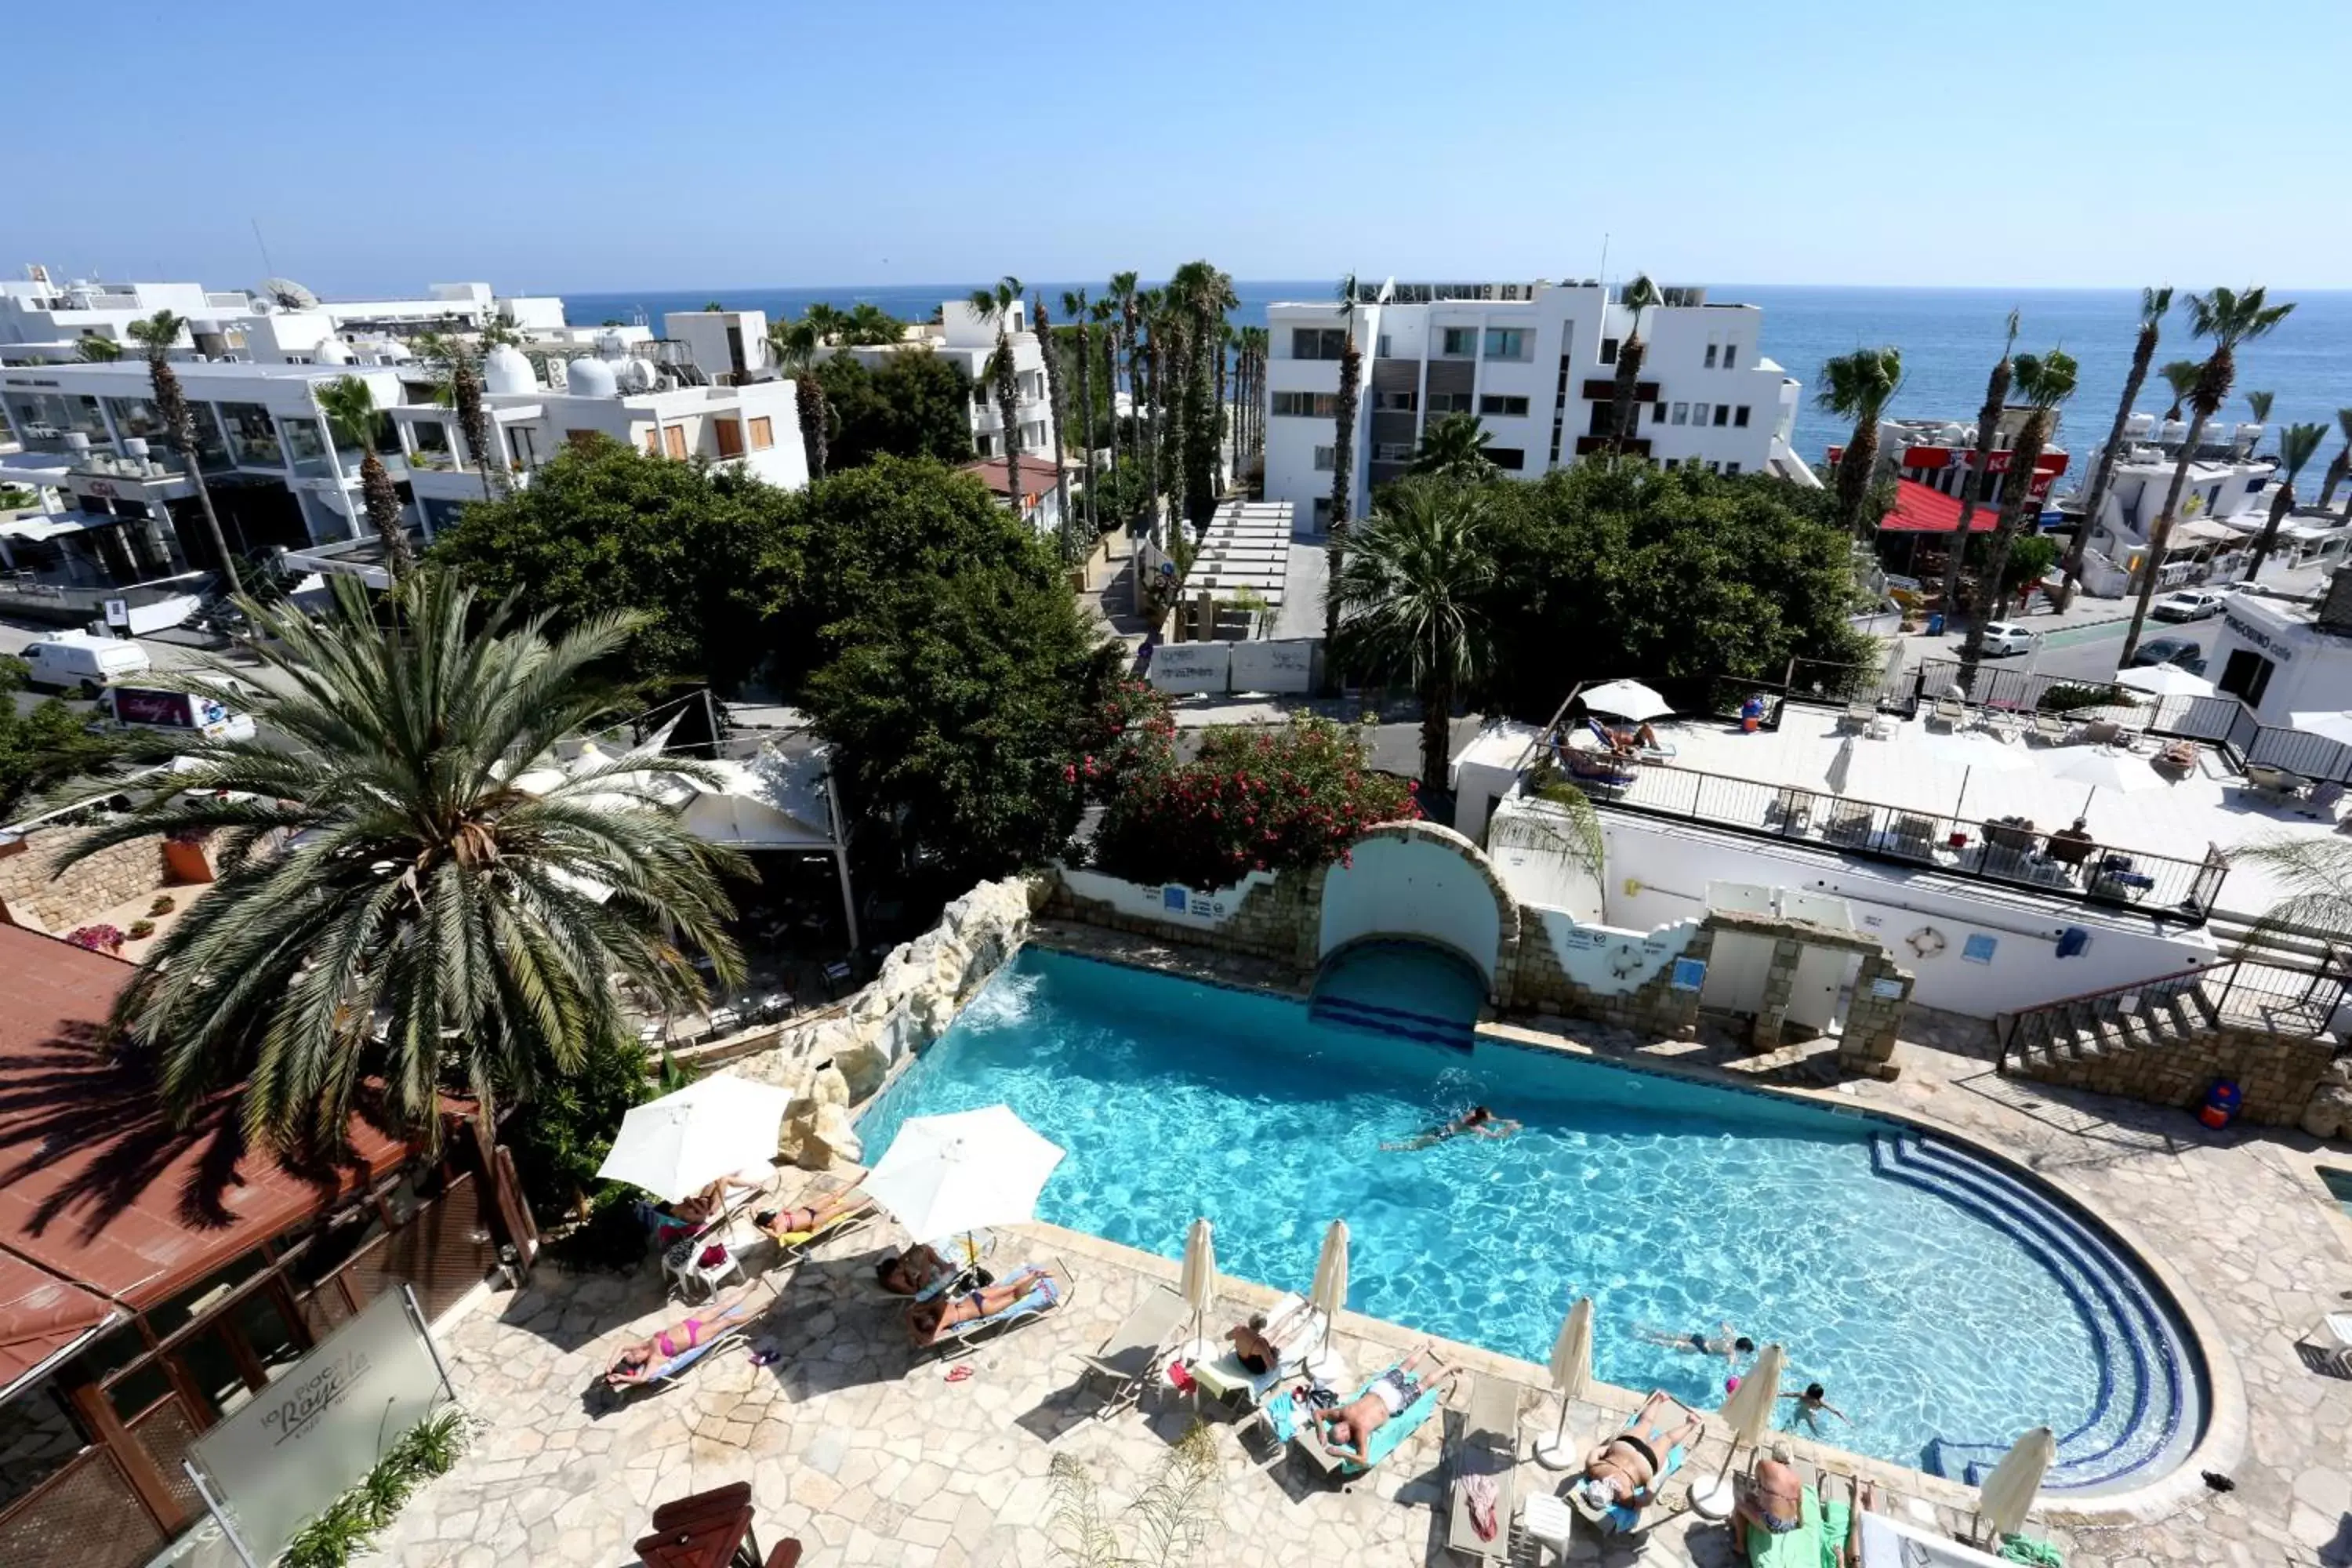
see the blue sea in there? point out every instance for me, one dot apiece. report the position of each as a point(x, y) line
point(1949, 339)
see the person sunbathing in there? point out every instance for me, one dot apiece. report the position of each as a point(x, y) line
point(1622, 1474)
point(638, 1362)
point(1348, 1429)
point(674, 1222)
point(1262, 1344)
point(922, 1271)
point(1478, 1121)
point(782, 1223)
point(1033, 1290)
point(1776, 1507)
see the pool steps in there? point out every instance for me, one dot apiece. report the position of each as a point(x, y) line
point(2144, 1359)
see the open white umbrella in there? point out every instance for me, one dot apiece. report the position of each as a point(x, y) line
point(1330, 1293)
point(1198, 1284)
point(1571, 1374)
point(1974, 750)
point(2337, 727)
point(2103, 767)
point(2007, 1494)
point(965, 1171)
point(1746, 1415)
point(2166, 681)
point(682, 1143)
point(1627, 699)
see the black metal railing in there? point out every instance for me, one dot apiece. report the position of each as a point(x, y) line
point(2297, 1001)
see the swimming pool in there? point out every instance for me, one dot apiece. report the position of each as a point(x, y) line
point(1946, 1305)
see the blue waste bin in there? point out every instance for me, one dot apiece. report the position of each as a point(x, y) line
point(1936, 625)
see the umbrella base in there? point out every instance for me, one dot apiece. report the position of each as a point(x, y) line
point(1560, 1452)
point(1714, 1500)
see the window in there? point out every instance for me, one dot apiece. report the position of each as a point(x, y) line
point(1723, 413)
point(673, 438)
point(2247, 675)
point(1318, 343)
point(1739, 416)
point(1395, 402)
point(764, 433)
point(1731, 468)
point(1681, 413)
point(1459, 343)
point(1731, 356)
point(1609, 351)
point(1657, 413)
point(1509, 458)
point(1304, 405)
point(579, 439)
point(1322, 512)
point(1507, 342)
point(1449, 402)
point(1710, 356)
point(1503, 408)
point(1391, 451)
point(1698, 413)
point(730, 438)
point(1383, 347)
point(1325, 458)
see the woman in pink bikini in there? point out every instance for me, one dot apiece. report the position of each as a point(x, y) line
point(640, 1361)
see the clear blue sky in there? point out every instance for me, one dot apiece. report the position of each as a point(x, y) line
point(590, 145)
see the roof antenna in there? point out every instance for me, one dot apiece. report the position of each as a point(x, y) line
point(1605, 258)
point(268, 266)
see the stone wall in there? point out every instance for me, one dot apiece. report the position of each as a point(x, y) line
point(31, 897)
point(2281, 1075)
point(1535, 982)
point(1281, 919)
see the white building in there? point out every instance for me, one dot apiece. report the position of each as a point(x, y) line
point(726, 345)
point(1037, 499)
point(2222, 504)
point(2283, 657)
point(1536, 363)
point(965, 341)
point(42, 319)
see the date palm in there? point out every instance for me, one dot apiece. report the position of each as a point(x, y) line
point(2259, 403)
point(349, 408)
point(995, 305)
point(1343, 469)
point(870, 324)
point(1455, 448)
point(2340, 465)
point(1042, 326)
point(1125, 301)
point(157, 335)
point(1411, 599)
point(461, 369)
point(1977, 483)
point(2181, 375)
point(796, 345)
point(2298, 444)
point(2153, 304)
point(94, 350)
point(2045, 381)
point(1637, 297)
point(2229, 319)
point(1075, 306)
point(1859, 386)
point(396, 915)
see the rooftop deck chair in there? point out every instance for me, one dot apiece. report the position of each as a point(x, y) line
point(2100, 733)
point(1950, 711)
point(670, 1370)
point(1130, 1358)
point(1861, 713)
point(1298, 1330)
point(1486, 1452)
point(959, 1340)
point(1303, 1436)
point(1624, 1520)
point(2051, 728)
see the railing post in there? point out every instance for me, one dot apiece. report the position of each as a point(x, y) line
point(2221, 1008)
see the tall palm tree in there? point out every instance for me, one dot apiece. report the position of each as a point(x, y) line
point(462, 367)
point(1977, 483)
point(395, 914)
point(2316, 873)
point(828, 323)
point(1857, 386)
point(157, 335)
point(2340, 465)
point(1637, 297)
point(349, 408)
point(2153, 304)
point(2298, 444)
point(1343, 469)
point(1205, 295)
point(996, 305)
point(1047, 353)
point(1257, 343)
point(2181, 375)
point(2045, 381)
point(796, 345)
point(1146, 396)
point(1411, 598)
point(1105, 315)
point(1081, 316)
point(94, 350)
point(1455, 448)
point(870, 323)
point(2228, 318)
point(1128, 302)
point(2259, 403)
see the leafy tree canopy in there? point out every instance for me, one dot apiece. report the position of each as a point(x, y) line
point(914, 405)
point(42, 747)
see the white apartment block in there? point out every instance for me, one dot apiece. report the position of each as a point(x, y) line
point(2223, 502)
point(1537, 363)
point(961, 337)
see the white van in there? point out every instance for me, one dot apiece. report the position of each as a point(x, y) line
point(151, 709)
point(77, 661)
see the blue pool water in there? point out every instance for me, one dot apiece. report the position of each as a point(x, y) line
point(1946, 1306)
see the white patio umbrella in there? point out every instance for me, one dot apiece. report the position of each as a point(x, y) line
point(1571, 1374)
point(1198, 1283)
point(682, 1143)
point(2337, 727)
point(965, 1171)
point(2166, 681)
point(1973, 751)
point(1330, 1293)
point(1627, 699)
point(2009, 1492)
point(2102, 767)
point(1746, 1415)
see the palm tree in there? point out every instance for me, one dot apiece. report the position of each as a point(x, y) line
point(2298, 444)
point(2229, 319)
point(2181, 375)
point(1978, 482)
point(996, 305)
point(871, 324)
point(1043, 327)
point(94, 350)
point(828, 323)
point(2316, 873)
point(1121, 294)
point(396, 915)
point(1857, 386)
point(2340, 465)
point(1082, 319)
point(1343, 468)
point(2259, 403)
point(1637, 296)
point(157, 335)
point(1411, 601)
point(796, 344)
point(349, 408)
point(1204, 294)
point(1256, 347)
point(1455, 449)
point(462, 366)
point(2153, 304)
point(2045, 380)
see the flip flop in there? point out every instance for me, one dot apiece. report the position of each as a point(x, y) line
point(1478, 1491)
point(960, 1372)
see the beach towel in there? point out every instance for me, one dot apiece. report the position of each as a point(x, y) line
point(1285, 1420)
point(1818, 1541)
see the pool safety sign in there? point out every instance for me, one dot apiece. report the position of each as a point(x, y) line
point(1185, 901)
point(1690, 974)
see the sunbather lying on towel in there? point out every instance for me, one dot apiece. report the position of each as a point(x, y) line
point(782, 1223)
point(1779, 1525)
point(674, 1222)
point(1033, 1290)
point(1622, 1474)
point(1347, 1430)
point(922, 1271)
point(636, 1363)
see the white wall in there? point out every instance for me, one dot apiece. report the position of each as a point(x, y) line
point(1191, 666)
point(1271, 666)
point(1411, 887)
point(1173, 903)
point(1609, 961)
point(2311, 671)
point(1529, 847)
point(1658, 873)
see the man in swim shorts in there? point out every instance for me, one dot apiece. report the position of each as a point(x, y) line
point(1724, 1342)
point(1348, 1429)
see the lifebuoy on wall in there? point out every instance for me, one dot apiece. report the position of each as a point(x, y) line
point(1925, 942)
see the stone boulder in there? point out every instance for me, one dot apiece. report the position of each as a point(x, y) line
point(816, 1134)
point(2329, 1114)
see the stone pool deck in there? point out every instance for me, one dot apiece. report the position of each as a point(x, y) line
point(870, 1460)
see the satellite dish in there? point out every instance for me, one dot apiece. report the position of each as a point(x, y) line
point(289, 294)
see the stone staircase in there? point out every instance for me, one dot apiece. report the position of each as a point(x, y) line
point(2261, 990)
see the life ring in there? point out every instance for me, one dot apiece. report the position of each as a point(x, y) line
point(1925, 942)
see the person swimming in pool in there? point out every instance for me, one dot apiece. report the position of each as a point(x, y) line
point(1724, 1342)
point(1475, 1122)
point(1810, 1405)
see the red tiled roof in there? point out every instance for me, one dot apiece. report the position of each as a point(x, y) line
point(1037, 475)
point(1922, 509)
point(40, 1315)
point(97, 1189)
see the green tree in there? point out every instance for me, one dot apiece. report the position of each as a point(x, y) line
point(1205, 295)
point(2030, 559)
point(2153, 304)
point(95, 350)
point(2045, 380)
point(2182, 375)
point(2228, 318)
point(349, 408)
point(1413, 602)
point(44, 746)
point(1859, 386)
point(1343, 472)
point(913, 405)
point(425, 925)
point(796, 347)
point(157, 335)
point(1049, 369)
point(2298, 444)
point(1455, 449)
point(869, 323)
point(2340, 465)
point(459, 364)
point(996, 305)
point(1977, 484)
point(1125, 304)
point(1637, 297)
point(1081, 312)
point(2258, 404)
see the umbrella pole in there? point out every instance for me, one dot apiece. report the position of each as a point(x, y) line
point(1966, 774)
point(1556, 1455)
point(1714, 1500)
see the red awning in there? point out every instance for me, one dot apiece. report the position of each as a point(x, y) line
point(1920, 509)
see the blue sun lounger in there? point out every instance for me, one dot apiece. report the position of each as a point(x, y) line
point(1282, 1416)
point(671, 1369)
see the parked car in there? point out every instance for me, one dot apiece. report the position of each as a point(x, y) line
point(2003, 638)
point(2189, 656)
point(77, 661)
point(2188, 605)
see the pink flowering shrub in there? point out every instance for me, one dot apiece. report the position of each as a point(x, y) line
point(97, 938)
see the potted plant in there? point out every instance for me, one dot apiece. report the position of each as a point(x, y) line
point(187, 856)
point(100, 938)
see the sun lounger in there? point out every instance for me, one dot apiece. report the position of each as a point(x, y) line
point(2049, 728)
point(1488, 1447)
point(793, 1246)
point(1130, 1357)
point(962, 1339)
point(1622, 1519)
point(1301, 1434)
point(1299, 1331)
point(1950, 711)
point(676, 1367)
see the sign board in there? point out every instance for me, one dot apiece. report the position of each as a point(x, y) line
point(1690, 974)
point(1192, 666)
point(118, 611)
point(1287, 665)
point(311, 1435)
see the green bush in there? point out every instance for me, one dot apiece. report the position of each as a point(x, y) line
point(343, 1529)
point(564, 1133)
point(2066, 699)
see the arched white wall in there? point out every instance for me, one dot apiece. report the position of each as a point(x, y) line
point(1413, 887)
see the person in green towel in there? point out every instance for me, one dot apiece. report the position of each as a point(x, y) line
point(1779, 1525)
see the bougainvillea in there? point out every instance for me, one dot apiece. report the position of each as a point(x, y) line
point(97, 938)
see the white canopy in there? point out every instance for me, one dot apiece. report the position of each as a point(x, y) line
point(680, 1143)
point(1627, 699)
point(965, 1171)
point(2166, 681)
